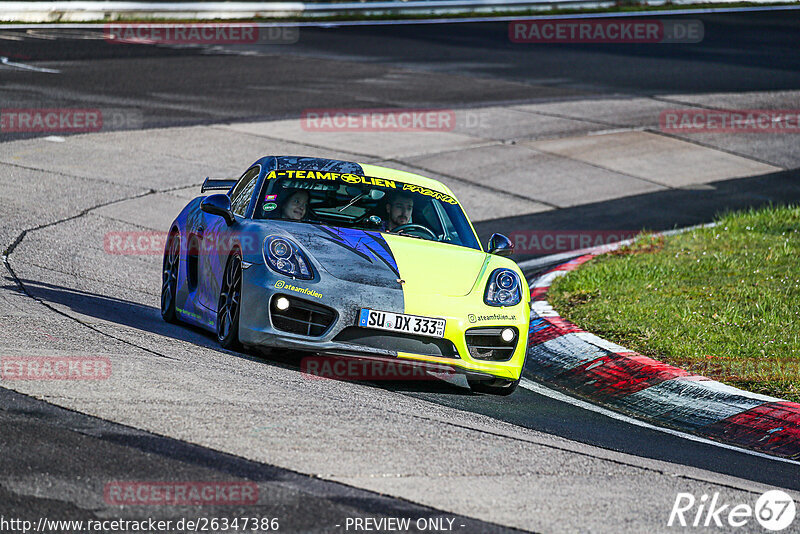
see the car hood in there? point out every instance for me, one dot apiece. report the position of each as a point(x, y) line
point(432, 268)
point(382, 260)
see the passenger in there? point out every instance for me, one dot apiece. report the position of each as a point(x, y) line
point(295, 207)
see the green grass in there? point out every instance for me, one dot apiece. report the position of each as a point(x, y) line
point(723, 302)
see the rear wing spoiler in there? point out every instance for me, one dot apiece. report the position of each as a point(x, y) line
point(217, 185)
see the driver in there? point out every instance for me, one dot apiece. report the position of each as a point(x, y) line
point(399, 209)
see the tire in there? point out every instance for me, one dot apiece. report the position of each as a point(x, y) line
point(169, 278)
point(496, 386)
point(230, 304)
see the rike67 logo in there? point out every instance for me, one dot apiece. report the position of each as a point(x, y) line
point(774, 510)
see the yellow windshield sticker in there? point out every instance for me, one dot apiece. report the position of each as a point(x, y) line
point(429, 192)
point(350, 178)
point(356, 179)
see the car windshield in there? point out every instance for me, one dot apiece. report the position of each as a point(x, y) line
point(366, 203)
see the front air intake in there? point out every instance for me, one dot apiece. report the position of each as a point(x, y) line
point(300, 316)
point(398, 341)
point(487, 343)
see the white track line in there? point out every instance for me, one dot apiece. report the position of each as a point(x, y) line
point(453, 20)
point(12, 64)
point(547, 392)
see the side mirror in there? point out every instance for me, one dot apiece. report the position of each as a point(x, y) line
point(500, 245)
point(219, 205)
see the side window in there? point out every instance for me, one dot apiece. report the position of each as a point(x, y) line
point(243, 191)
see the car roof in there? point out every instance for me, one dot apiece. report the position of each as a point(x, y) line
point(407, 177)
point(376, 171)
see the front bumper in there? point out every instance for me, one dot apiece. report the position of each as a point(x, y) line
point(260, 285)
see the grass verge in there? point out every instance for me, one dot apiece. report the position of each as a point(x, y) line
point(723, 302)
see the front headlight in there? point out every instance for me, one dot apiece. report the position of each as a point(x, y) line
point(285, 257)
point(503, 288)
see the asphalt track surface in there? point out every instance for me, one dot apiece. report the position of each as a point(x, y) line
point(466, 64)
point(452, 65)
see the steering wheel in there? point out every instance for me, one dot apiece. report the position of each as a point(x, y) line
point(411, 226)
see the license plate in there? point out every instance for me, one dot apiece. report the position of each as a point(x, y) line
point(400, 322)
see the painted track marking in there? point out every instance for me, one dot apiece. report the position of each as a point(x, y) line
point(5, 61)
point(530, 385)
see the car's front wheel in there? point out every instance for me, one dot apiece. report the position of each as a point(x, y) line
point(230, 304)
point(169, 278)
point(493, 386)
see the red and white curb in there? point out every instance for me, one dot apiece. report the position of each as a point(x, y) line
point(563, 356)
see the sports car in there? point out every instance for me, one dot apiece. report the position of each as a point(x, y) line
point(347, 259)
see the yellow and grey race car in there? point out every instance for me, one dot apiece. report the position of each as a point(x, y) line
point(342, 258)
